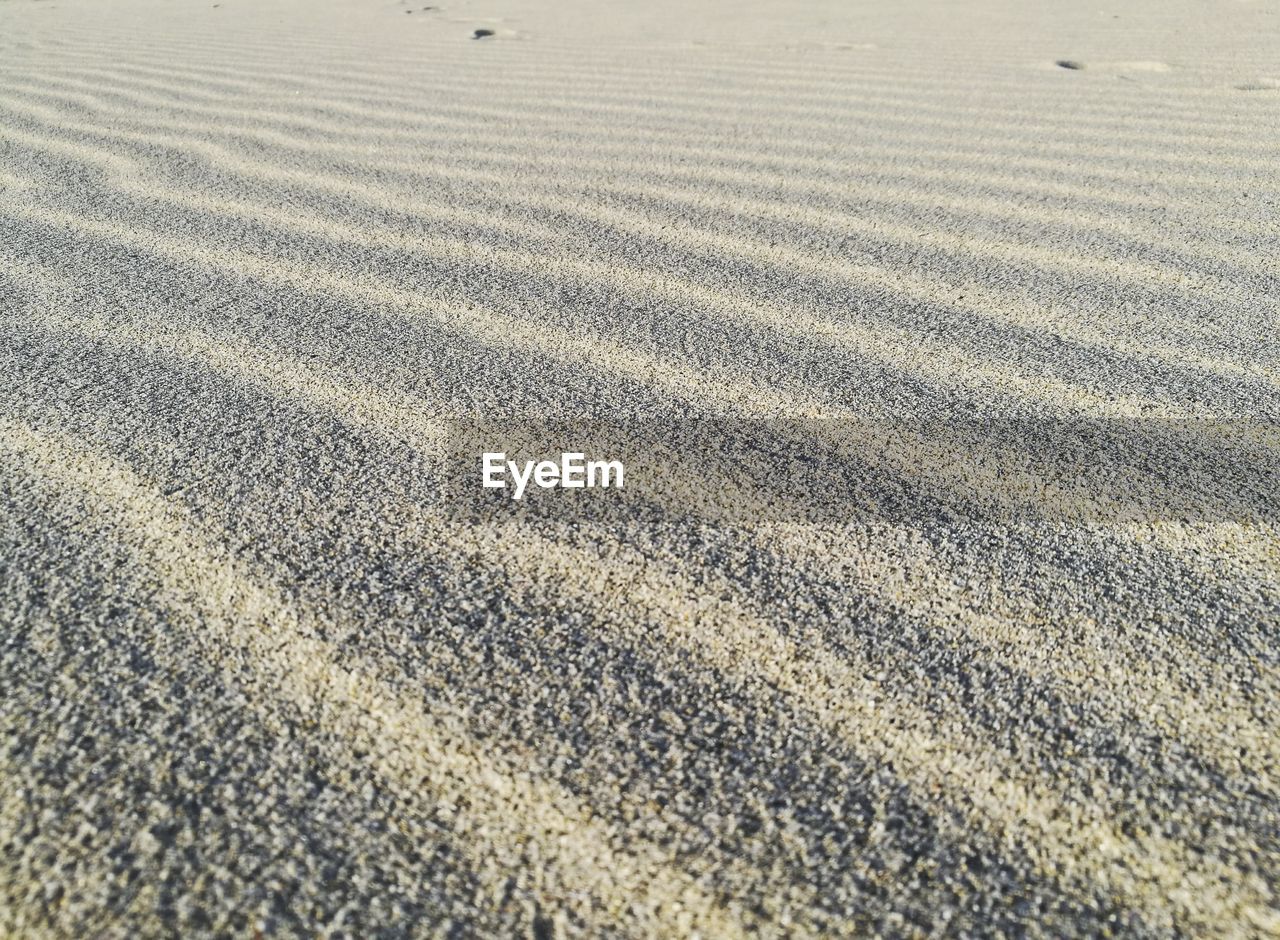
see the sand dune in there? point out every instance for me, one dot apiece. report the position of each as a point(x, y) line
point(945, 597)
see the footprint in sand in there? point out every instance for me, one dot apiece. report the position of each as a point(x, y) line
point(1123, 69)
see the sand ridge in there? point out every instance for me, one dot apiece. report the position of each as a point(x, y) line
point(258, 262)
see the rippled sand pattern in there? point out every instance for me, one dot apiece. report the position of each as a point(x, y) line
point(259, 262)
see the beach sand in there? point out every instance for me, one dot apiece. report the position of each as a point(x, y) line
point(942, 343)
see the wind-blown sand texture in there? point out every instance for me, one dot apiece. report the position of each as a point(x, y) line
point(1012, 268)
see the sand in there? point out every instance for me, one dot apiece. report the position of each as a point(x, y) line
point(941, 344)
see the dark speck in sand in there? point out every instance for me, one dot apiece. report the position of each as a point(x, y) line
point(1069, 64)
point(482, 33)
